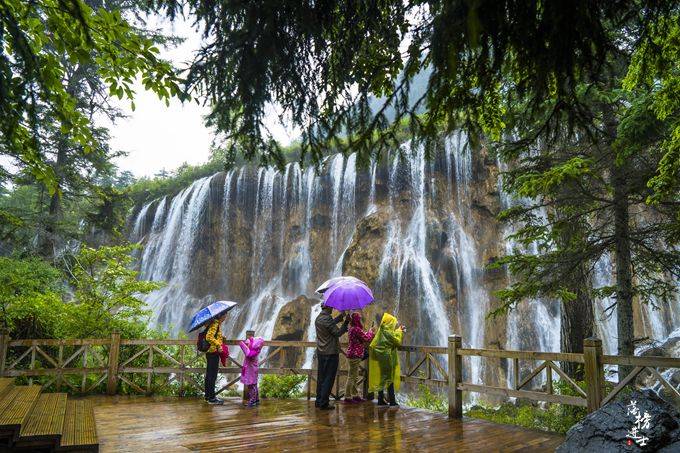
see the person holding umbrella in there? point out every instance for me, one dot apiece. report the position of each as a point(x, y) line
point(327, 353)
point(344, 293)
point(211, 342)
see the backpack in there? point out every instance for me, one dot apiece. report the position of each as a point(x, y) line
point(201, 343)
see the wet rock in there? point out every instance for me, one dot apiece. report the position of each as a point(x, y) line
point(363, 255)
point(606, 429)
point(291, 325)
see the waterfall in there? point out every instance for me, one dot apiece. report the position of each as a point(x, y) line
point(137, 229)
point(265, 237)
point(404, 261)
point(167, 256)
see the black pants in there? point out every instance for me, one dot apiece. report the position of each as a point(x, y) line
point(213, 363)
point(390, 395)
point(328, 368)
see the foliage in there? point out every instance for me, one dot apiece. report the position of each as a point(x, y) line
point(30, 298)
point(555, 417)
point(655, 66)
point(99, 292)
point(425, 399)
point(283, 386)
point(325, 63)
point(43, 42)
point(107, 292)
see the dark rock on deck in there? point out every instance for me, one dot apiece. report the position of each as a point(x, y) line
point(606, 429)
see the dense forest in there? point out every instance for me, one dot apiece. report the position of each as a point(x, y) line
point(580, 104)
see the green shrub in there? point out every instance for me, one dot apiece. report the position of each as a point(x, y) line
point(288, 386)
point(556, 417)
point(425, 399)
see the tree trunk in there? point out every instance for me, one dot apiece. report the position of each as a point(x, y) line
point(577, 317)
point(577, 324)
point(622, 250)
point(624, 274)
point(49, 244)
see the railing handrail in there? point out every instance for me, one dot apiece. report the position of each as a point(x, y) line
point(430, 371)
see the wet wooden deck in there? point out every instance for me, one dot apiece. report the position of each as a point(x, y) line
point(136, 424)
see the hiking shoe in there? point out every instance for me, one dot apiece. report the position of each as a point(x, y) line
point(215, 401)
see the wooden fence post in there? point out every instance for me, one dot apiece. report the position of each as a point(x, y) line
point(455, 377)
point(114, 354)
point(594, 372)
point(4, 339)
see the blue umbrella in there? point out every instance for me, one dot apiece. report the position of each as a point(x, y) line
point(212, 311)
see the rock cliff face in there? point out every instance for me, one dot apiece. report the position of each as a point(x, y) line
point(419, 232)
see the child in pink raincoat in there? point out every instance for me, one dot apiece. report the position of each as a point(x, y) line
point(251, 350)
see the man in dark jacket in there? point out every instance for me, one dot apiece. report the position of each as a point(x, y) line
point(327, 353)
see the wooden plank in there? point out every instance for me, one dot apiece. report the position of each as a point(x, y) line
point(6, 384)
point(73, 356)
point(52, 371)
point(114, 356)
point(650, 361)
point(417, 380)
point(455, 376)
point(47, 357)
point(131, 384)
point(79, 430)
point(536, 396)
point(54, 342)
point(567, 379)
point(615, 391)
point(16, 405)
point(531, 375)
point(594, 372)
point(19, 359)
point(83, 381)
point(46, 419)
point(526, 355)
point(142, 424)
point(665, 383)
point(134, 356)
point(416, 366)
point(423, 349)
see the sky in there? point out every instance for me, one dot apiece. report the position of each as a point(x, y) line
point(157, 137)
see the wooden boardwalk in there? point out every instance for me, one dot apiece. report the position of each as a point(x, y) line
point(136, 424)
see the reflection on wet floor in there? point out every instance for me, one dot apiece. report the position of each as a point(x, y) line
point(174, 424)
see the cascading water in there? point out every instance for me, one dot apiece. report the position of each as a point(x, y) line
point(168, 254)
point(404, 264)
point(264, 237)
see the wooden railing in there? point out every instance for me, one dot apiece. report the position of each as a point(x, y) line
point(148, 366)
point(145, 366)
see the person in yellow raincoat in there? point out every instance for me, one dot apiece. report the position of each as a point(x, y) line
point(383, 362)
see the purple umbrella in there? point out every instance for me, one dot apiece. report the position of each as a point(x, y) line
point(333, 281)
point(348, 295)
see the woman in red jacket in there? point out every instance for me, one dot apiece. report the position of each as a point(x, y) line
point(358, 339)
